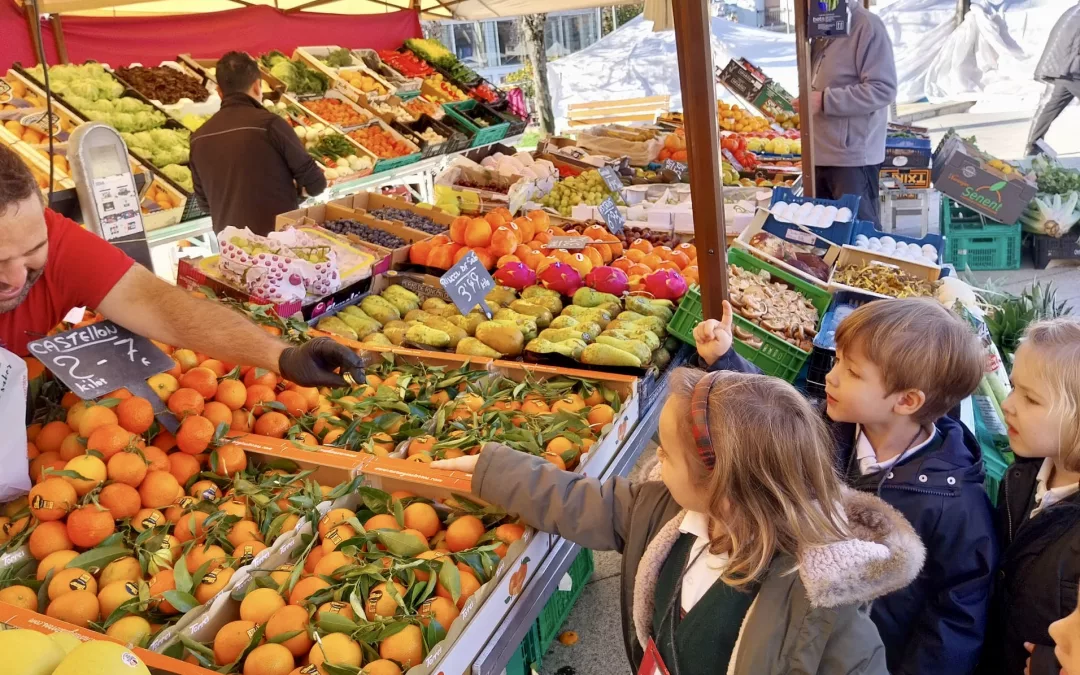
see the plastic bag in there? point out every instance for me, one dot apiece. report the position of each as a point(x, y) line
point(15, 467)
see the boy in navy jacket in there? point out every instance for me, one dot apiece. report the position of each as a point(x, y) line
point(901, 365)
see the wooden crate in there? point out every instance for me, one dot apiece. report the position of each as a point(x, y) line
point(621, 111)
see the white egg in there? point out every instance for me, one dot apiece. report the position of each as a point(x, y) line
point(930, 252)
point(875, 245)
point(843, 214)
point(802, 216)
point(830, 213)
point(779, 207)
point(888, 241)
point(861, 240)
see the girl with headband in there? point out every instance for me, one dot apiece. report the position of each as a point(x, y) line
point(748, 557)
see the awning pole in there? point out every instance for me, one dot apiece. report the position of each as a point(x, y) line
point(804, 62)
point(693, 43)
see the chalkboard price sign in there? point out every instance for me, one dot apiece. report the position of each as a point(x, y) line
point(467, 283)
point(569, 242)
point(611, 178)
point(102, 357)
point(612, 216)
point(677, 167)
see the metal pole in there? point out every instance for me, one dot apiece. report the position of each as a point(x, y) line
point(806, 77)
point(693, 43)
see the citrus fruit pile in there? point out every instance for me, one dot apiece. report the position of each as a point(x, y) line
point(375, 587)
point(381, 142)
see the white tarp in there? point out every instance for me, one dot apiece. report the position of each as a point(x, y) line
point(990, 58)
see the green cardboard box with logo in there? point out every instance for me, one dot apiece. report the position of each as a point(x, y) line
point(963, 172)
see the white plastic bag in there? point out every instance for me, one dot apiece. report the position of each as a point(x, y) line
point(14, 468)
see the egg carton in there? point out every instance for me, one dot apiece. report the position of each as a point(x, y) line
point(928, 254)
point(809, 214)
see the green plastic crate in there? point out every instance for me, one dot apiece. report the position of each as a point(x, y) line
point(528, 656)
point(554, 614)
point(973, 241)
point(775, 357)
point(397, 162)
point(483, 135)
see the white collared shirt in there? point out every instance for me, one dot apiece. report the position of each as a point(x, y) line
point(867, 456)
point(705, 568)
point(1046, 495)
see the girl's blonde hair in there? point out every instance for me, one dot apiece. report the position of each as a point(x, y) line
point(1056, 342)
point(773, 487)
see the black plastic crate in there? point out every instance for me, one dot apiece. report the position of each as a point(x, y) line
point(817, 367)
point(1045, 248)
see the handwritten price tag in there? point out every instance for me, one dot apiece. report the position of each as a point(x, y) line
point(677, 167)
point(102, 357)
point(38, 121)
point(611, 178)
point(612, 216)
point(5, 92)
point(568, 242)
point(467, 283)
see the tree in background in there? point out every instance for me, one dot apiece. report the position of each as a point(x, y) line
point(618, 15)
point(532, 27)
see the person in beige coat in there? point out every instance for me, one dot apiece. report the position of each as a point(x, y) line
point(748, 557)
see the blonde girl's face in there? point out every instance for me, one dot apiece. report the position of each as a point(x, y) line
point(1066, 635)
point(676, 442)
point(1035, 428)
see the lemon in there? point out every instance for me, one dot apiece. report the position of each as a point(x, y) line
point(101, 658)
point(29, 652)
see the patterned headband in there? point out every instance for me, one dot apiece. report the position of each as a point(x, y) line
point(699, 415)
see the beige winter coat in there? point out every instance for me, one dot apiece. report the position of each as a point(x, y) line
point(812, 621)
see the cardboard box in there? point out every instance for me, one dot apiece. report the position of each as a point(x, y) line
point(741, 81)
point(17, 617)
point(962, 172)
point(195, 274)
point(749, 82)
point(371, 201)
point(850, 255)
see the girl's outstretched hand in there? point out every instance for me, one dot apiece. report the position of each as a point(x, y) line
point(467, 463)
point(714, 337)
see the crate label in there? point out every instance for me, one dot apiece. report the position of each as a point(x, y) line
point(909, 178)
point(612, 216)
point(468, 283)
point(5, 92)
point(800, 236)
point(677, 167)
point(989, 415)
point(611, 178)
point(37, 121)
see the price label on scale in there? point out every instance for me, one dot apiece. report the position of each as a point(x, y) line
point(467, 283)
point(612, 216)
point(102, 357)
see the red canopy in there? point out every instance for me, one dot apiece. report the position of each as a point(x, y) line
point(151, 40)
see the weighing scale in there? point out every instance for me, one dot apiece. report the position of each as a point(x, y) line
point(106, 187)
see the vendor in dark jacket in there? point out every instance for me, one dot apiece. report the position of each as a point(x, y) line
point(1059, 68)
point(901, 365)
point(1039, 503)
point(247, 164)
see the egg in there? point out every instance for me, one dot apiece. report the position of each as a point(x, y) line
point(930, 252)
point(874, 245)
point(843, 214)
point(830, 215)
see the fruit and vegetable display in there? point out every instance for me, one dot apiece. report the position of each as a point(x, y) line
point(283, 266)
point(926, 254)
point(772, 305)
point(431, 137)
point(338, 112)
point(161, 146)
point(337, 154)
point(372, 235)
point(486, 93)
point(338, 58)
point(381, 142)
point(161, 197)
point(194, 122)
point(436, 54)
point(674, 147)
point(126, 115)
point(885, 280)
point(364, 81)
point(406, 63)
point(90, 81)
point(541, 171)
point(129, 527)
point(1051, 215)
point(163, 84)
point(1053, 178)
point(735, 118)
point(299, 77)
point(588, 188)
point(733, 147)
point(397, 111)
point(419, 105)
point(377, 584)
point(410, 219)
point(794, 255)
point(444, 88)
point(776, 145)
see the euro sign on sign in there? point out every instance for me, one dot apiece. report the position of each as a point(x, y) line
point(468, 283)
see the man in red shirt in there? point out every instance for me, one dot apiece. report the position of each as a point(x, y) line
point(48, 265)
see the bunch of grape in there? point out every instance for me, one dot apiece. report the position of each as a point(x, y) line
point(365, 232)
point(588, 188)
point(411, 220)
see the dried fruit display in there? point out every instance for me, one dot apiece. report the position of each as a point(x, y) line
point(418, 105)
point(772, 305)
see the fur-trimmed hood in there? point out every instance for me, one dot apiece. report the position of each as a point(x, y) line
point(883, 555)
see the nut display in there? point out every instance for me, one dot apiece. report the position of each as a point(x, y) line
point(772, 305)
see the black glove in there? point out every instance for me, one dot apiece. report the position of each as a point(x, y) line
point(1043, 661)
point(313, 364)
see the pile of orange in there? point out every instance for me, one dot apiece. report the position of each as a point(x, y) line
point(299, 598)
point(498, 239)
point(381, 142)
point(642, 258)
